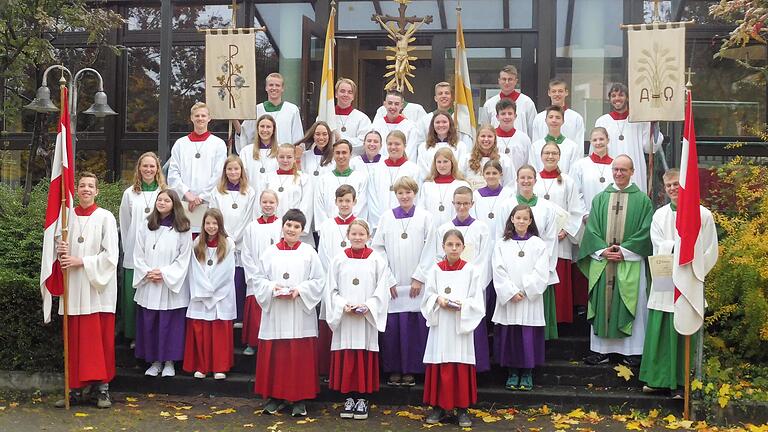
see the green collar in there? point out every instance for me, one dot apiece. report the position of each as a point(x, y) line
point(530, 202)
point(629, 189)
point(270, 107)
point(345, 173)
point(148, 187)
point(559, 140)
point(673, 206)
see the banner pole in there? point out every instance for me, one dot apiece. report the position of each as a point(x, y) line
point(650, 162)
point(65, 271)
point(687, 401)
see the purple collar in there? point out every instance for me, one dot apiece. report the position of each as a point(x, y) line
point(317, 150)
point(488, 192)
point(233, 187)
point(365, 159)
point(264, 146)
point(516, 236)
point(167, 221)
point(467, 222)
point(402, 214)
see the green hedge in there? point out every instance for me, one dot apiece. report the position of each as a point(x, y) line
point(25, 342)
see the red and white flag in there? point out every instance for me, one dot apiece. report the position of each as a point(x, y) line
point(689, 295)
point(61, 188)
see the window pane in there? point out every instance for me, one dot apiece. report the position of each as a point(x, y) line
point(142, 89)
point(483, 14)
point(194, 17)
point(94, 161)
point(356, 15)
point(143, 18)
point(419, 8)
point(11, 167)
point(128, 159)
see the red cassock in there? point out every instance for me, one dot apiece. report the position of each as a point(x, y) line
point(324, 336)
point(354, 371)
point(91, 349)
point(287, 369)
point(564, 292)
point(450, 385)
point(251, 322)
point(208, 346)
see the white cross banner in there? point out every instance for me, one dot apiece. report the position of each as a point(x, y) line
point(230, 73)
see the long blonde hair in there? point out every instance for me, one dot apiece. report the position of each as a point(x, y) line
point(203, 238)
point(477, 154)
point(272, 140)
point(159, 177)
point(222, 186)
point(295, 167)
point(448, 154)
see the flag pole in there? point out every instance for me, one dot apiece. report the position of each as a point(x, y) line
point(456, 62)
point(687, 394)
point(65, 237)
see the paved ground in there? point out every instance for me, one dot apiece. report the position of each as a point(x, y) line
point(156, 413)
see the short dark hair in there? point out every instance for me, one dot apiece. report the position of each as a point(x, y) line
point(295, 215)
point(618, 87)
point(503, 104)
point(453, 232)
point(345, 189)
point(555, 108)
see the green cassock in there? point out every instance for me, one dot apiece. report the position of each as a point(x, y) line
point(623, 218)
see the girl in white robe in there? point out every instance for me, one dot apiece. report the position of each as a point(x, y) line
point(356, 298)
point(444, 178)
point(317, 158)
point(371, 154)
point(289, 287)
point(235, 198)
point(559, 189)
point(260, 157)
point(135, 206)
point(491, 199)
point(442, 134)
point(453, 307)
point(262, 232)
point(381, 187)
point(209, 342)
point(404, 237)
point(161, 260)
point(484, 151)
point(294, 188)
point(519, 309)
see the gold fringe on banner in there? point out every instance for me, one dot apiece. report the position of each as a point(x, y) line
point(656, 25)
point(225, 31)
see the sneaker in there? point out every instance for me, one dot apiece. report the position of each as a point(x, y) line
point(168, 369)
point(408, 380)
point(219, 376)
point(649, 389)
point(631, 361)
point(436, 416)
point(581, 310)
point(75, 398)
point(238, 325)
point(299, 409)
point(154, 369)
point(132, 345)
point(349, 409)
point(249, 351)
point(463, 417)
point(596, 359)
point(513, 380)
point(526, 380)
point(678, 393)
point(273, 406)
point(394, 379)
point(199, 375)
point(103, 400)
point(361, 409)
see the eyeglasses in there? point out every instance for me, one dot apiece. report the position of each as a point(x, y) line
point(463, 204)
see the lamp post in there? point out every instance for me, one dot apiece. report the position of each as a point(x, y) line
point(42, 102)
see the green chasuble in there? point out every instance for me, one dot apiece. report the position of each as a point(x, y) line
point(623, 218)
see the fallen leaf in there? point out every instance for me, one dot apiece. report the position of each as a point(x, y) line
point(130, 405)
point(150, 395)
point(88, 428)
point(165, 414)
point(310, 420)
point(491, 419)
point(248, 425)
point(203, 416)
point(386, 412)
point(179, 408)
point(81, 414)
point(430, 426)
point(634, 425)
point(225, 411)
point(301, 422)
point(274, 426)
point(180, 417)
point(577, 413)
point(13, 404)
point(544, 410)
point(723, 401)
point(670, 418)
point(624, 372)
point(131, 399)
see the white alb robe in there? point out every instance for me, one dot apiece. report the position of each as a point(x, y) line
point(170, 251)
point(636, 144)
point(357, 281)
point(310, 164)
point(517, 148)
point(485, 206)
point(451, 336)
point(353, 128)
point(324, 205)
point(526, 113)
point(477, 247)
point(426, 156)
point(235, 219)
point(406, 126)
point(587, 174)
point(476, 179)
point(257, 169)
point(411, 110)
point(299, 269)
point(132, 216)
point(186, 173)
point(508, 280)
point(256, 239)
point(422, 128)
point(570, 153)
point(381, 198)
point(573, 127)
point(297, 192)
point(212, 287)
point(434, 195)
point(570, 208)
point(288, 127)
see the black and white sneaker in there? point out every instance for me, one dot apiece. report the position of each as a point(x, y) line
point(349, 409)
point(596, 359)
point(361, 409)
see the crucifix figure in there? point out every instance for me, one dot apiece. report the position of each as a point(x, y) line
point(401, 35)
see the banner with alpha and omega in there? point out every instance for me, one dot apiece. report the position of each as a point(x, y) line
point(656, 72)
point(230, 73)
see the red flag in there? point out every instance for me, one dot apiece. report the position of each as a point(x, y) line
point(62, 185)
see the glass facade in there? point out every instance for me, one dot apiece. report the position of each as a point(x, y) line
point(578, 40)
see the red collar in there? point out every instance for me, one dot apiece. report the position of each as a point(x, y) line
point(213, 242)
point(347, 221)
point(619, 116)
point(505, 134)
point(195, 137)
point(359, 254)
point(605, 160)
point(549, 174)
point(268, 220)
point(86, 211)
point(344, 111)
point(444, 179)
point(514, 95)
point(398, 119)
point(282, 245)
point(284, 172)
point(447, 267)
point(396, 163)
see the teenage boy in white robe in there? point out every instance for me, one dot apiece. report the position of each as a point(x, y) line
point(444, 101)
point(510, 140)
point(286, 115)
point(328, 183)
point(393, 120)
point(508, 80)
point(573, 122)
point(90, 257)
point(196, 161)
point(395, 166)
point(289, 287)
point(411, 110)
point(570, 151)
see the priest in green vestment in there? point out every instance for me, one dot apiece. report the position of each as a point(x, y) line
point(612, 256)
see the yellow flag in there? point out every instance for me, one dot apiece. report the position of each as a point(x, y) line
point(327, 109)
point(465, 110)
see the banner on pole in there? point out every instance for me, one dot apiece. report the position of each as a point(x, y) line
point(656, 78)
point(230, 74)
